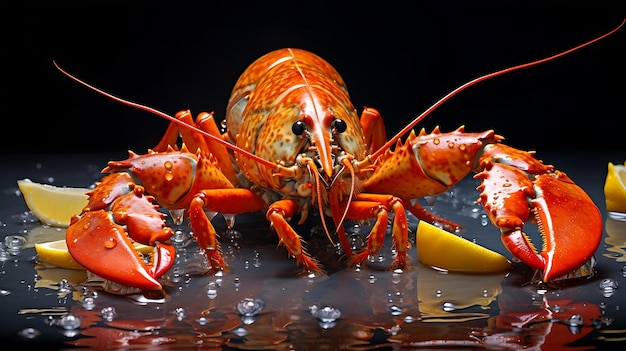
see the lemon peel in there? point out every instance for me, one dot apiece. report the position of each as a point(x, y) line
point(51, 204)
point(57, 254)
point(615, 188)
point(440, 249)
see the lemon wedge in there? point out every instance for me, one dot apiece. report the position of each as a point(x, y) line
point(615, 188)
point(56, 253)
point(443, 250)
point(53, 205)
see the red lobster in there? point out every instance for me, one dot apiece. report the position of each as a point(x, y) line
point(295, 143)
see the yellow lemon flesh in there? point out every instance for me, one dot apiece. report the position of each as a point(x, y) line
point(443, 250)
point(615, 188)
point(56, 253)
point(53, 205)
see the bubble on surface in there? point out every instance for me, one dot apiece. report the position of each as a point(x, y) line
point(250, 306)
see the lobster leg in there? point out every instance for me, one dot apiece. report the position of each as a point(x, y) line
point(230, 201)
point(277, 214)
point(375, 205)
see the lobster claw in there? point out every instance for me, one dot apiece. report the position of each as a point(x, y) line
point(102, 247)
point(567, 219)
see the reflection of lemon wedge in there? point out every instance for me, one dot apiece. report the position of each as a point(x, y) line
point(51, 204)
point(443, 250)
point(615, 188)
point(57, 254)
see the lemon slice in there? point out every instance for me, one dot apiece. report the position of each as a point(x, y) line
point(443, 250)
point(56, 253)
point(615, 188)
point(53, 205)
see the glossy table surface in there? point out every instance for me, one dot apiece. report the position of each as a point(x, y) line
point(421, 308)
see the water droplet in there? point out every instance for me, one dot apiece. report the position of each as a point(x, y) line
point(211, 290)
point(240, 331)
point(230, 220)
point(395, 310)
point(168, 165)
point(14, 244)
point(69, 322)
point(202, 321)
point(484, 220)
point(29, 333)
point(88, 303)
point(575, 320)
point(108, 313)
point(409, 319)
point(328, 314)
point(448, 306)
point(178, 216)
point(180, 313)
point(250, 306)
point(438, 293)
point(110, 243)
point(608, 286)
point(4, 292)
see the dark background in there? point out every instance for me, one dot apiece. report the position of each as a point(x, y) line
point(399, 57)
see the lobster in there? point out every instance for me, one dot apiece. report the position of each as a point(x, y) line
point(294, 143)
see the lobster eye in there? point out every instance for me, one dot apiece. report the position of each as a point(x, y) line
point(298, 128)
point(340, 125)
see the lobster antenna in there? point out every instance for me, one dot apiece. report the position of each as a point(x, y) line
point(474, 81)
point(166, 116)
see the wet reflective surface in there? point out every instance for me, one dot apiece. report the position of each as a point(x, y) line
point(264, 303)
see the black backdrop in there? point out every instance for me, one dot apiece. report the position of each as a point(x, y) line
point(397, 56)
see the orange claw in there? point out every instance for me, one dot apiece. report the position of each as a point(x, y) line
point(102, 247)
point(568, 220)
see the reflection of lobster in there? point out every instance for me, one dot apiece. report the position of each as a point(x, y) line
point(295, 143)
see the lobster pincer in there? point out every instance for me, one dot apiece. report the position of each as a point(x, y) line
point(515, 192)
point(97, 238)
